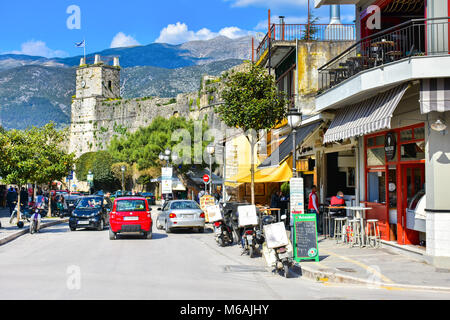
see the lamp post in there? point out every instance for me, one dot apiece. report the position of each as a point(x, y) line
point(294, 120)
point(123, 168)
point(210, 149)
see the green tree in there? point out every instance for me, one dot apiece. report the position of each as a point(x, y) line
point(34, 155)
point(253, 104)
point(99, 163)
point(144, 146)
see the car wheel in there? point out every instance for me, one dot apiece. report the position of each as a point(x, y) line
point(201, 230)
point(73, 229)
point(168, 230)
point(158, 225)
point(148, 235)
point(112, 235)
point(101, 225)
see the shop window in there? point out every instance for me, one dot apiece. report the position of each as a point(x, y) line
point(376, 189)
point(376, 157)
point(419, 133)
point(375, 141)
point(413, 151)
point(392, 187)
point(406, 135)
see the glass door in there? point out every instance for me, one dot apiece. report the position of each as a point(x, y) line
point(413, 176)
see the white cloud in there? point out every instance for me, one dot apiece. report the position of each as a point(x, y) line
point(180, 33)
point(121, 40)
point(39, 48)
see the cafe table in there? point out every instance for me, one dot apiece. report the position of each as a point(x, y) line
point(360, 214)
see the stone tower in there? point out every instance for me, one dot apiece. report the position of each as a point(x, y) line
point(94, 84)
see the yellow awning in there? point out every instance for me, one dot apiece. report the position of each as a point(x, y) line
point(282, 173)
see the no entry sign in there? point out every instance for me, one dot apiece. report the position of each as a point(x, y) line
point(206, 178)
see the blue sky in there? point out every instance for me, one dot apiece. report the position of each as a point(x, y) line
point(40, 27)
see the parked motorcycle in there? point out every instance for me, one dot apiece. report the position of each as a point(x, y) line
point(248, 242)
point(35, 222)
point(278, 256)
point(223, 229)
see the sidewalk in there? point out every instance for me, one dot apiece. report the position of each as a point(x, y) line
point(10, 232)
point(373, 267)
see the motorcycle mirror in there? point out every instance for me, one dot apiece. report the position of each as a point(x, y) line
point(283, 217)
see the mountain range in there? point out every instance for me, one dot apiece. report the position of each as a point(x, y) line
point(36, 90)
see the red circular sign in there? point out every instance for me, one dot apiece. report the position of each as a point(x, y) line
point(206, 178)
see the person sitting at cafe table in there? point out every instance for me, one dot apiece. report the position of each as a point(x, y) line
point(338, 201)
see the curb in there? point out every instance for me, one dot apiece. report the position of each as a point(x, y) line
point(324, 276)
point(27, 230)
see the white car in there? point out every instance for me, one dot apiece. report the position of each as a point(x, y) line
point(181, 214)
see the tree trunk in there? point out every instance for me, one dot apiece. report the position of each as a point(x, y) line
point(252, 169)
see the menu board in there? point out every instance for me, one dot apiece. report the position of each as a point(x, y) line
point(305, 238)
point(297, 197)
point(205, 202)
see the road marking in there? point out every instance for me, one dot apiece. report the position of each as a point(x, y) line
point(362, 265)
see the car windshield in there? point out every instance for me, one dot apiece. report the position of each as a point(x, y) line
point(181, 205)
point(89, 203)
point(130, 205)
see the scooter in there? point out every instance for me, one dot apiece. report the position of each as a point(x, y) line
point(281, 257)
point(35, 222)
point(223, 230)
point(248, 242)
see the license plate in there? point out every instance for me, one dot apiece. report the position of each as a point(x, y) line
point(83, 222)
point(130, 218)
point(188, 216)
point(218, 231)
point(283, 255)
point(249, 238)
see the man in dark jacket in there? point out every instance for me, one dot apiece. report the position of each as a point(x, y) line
point(11, 199)
point(275, 200)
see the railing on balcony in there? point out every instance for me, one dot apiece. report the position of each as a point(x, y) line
point(308, 32)
point(419, 37)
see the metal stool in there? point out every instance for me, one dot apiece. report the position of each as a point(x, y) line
point(372, 225)
point(326, 225)
point(356, 235)
point(339, 229)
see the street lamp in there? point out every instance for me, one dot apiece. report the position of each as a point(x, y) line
point(123, 168)
point(210, 149)
point(294, 120)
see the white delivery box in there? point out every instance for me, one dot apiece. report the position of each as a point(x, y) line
point(247, 216)
point(276, 235)
point(214, 213)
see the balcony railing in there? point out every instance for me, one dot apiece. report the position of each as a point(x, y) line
point(307, 32)
point(419, 37)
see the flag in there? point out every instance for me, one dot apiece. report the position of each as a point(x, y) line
point(82, 44)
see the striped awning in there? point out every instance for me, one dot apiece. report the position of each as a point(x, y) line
point(435, 95)
point(285, 149)
point(368, 116)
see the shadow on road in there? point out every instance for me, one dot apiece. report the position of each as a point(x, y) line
point(156, 236)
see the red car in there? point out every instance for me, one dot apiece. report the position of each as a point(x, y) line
point(130, 215)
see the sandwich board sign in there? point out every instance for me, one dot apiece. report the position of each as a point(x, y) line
point(306, 245)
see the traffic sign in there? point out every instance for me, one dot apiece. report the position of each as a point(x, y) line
point(206, 178)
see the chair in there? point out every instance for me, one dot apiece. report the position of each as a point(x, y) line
point(356, 235)
point(372, 225)
point(339, 229)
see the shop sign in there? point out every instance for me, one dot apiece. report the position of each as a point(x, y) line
point(297, 196)
point(390, 146)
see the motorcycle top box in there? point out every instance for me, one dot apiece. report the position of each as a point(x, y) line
point(247, 216)
point(276, 235)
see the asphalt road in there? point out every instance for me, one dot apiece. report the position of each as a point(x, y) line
point(60, 264)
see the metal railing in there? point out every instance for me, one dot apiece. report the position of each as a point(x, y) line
point(307, 32)
point(419, 37)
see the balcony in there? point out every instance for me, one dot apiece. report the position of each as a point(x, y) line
point(306, 32)
point(404, 42)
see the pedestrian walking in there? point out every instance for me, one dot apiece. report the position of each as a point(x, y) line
point(11, 199)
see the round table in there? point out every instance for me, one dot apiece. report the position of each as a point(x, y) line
point(360, 213)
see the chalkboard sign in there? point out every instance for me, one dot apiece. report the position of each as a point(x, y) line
point(305, 237)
